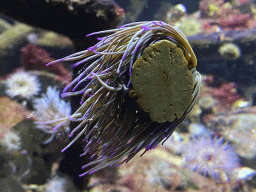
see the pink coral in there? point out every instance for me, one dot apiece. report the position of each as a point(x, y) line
point(217, 15)
point(119, 11)
point(236, 22)
point(226, 94)
point(204, 6)
point(35, 58)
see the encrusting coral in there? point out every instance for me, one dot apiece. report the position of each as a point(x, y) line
point(34, 58)
point(114, 125)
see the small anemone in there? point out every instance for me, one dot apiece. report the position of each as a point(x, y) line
point(229, 51)
point(52, 107)
point(136, 86)
point(22, 84)
point(209, 156)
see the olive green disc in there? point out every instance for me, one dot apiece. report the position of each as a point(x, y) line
point(162, 82)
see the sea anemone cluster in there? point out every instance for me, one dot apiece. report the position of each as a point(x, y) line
point(209, 156)
point(137, 84)
point(22, 84)
point(52, 107)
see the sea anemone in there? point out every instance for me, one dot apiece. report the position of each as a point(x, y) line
point(209, 156)
point(137, 85)
point(229, 51)
point(51, 107)
point(22, 84)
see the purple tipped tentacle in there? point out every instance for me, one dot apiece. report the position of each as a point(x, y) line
point(143, 152)
point(144, 28)
point(150, 144)
point(87, 77)
point(101, 32)
point(68, 86)
point(173, 40)
point(101, 38)
point(128, 48)
point(139, 147)
point(86, 94)
point(104, 52)
point(92, 156)
point(83, 60)
point(74, 140)
point(137, 47)
point(78, 127)
point(55, 61)
point(155, 23)
point(68, 94)
point(131, 24)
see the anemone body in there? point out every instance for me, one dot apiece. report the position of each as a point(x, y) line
point(115, 117)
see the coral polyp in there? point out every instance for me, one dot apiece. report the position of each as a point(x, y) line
point(118, 85)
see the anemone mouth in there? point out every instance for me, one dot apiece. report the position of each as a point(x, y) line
point(115, 126)
point(162, 82)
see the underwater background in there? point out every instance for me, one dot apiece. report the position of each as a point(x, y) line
point(213, 149)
